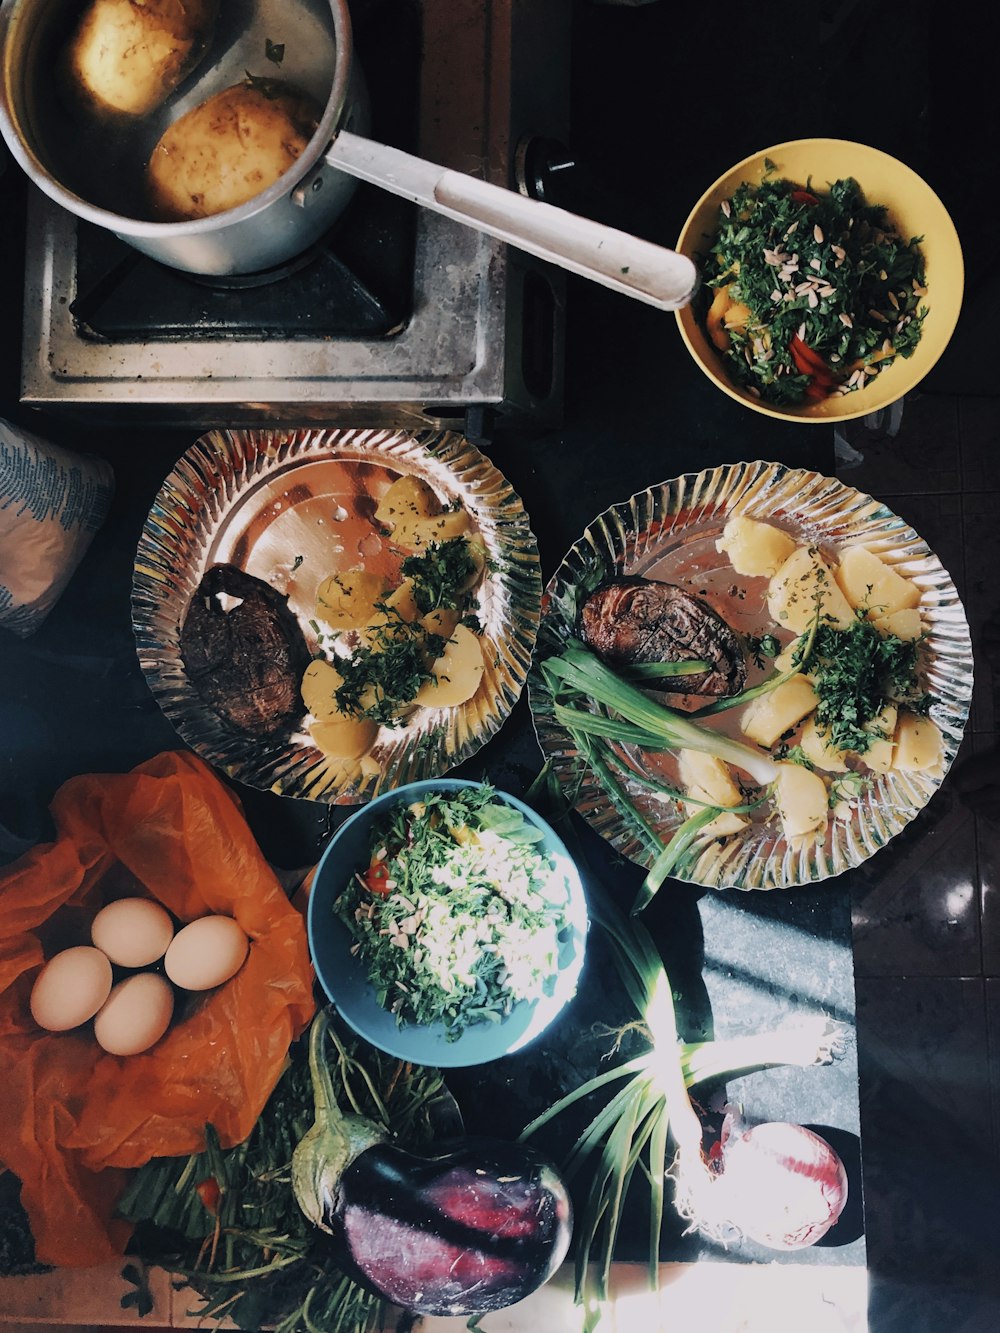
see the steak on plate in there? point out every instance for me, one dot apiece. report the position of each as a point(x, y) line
point(631, 620)
point(244, 652)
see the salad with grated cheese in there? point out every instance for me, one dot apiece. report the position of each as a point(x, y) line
point(458, 915)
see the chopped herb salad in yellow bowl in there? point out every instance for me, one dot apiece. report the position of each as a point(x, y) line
point(831, 280)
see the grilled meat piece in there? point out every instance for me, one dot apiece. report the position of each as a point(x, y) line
point(631, 620)
point(244, 652)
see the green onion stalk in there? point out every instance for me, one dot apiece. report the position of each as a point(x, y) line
point(590, 678)
point(650, 1106)
point(576, 680)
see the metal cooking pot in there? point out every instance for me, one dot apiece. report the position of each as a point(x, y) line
point(96, 171)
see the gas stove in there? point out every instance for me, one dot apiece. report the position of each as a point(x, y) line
point(399, 317)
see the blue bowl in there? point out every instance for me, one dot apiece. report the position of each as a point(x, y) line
point(344, 978)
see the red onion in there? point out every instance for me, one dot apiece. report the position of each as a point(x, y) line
point(782, 1185)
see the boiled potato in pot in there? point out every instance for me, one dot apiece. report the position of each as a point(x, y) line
point(229, 149)
point(127, 56)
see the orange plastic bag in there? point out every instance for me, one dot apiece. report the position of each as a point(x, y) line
point(71, 1116)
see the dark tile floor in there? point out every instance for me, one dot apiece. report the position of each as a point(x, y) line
point(926, 913)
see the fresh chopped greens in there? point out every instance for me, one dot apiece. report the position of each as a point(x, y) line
point(458, 915)
point(814, 292)
point(761, 646)
point(856, 672)
point(794, 754)
point(847, 787)
point(380, 680)
point(441, 575)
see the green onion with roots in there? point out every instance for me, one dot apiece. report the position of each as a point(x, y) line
point(652, 1107)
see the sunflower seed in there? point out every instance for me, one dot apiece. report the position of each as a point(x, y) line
point(818, 234)
point(725, 208)
point(846, 320)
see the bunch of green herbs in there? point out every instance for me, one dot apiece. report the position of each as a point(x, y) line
point(225, 1220)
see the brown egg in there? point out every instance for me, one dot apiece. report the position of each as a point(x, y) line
point(206, 952)
point(135, 1015)
point(70, 988)
point(133, 932)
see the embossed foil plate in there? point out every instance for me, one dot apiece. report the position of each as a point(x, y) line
point(291, 508)
point(669, 532)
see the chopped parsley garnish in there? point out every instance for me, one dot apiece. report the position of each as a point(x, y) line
point(847, 787)
point(856, 672)
point(379, 681)
point(816, 292)
point(794, 754)
point(761, 646)
point(441, 575)
point(381, 677)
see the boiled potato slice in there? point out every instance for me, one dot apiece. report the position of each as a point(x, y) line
point(817, 749)
point(407, 498)
point(400, 608)
point(224, 152)
point(344, 737)
point(442, 621)
point(417, 534)
point(754, 548)
point(785, 661)
point(456, 673)
point(919, 744)
point(903, 624)
point(869, 584)
point(127, 58)
point(320, 683)
point(709, 780)
point(347, 600)
point(722, 826)
point(478, 555)
point(878, 756)
point(803, 580)
point(770, 715)
point(801, 800)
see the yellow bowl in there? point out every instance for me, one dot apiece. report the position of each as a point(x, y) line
point(916, 211)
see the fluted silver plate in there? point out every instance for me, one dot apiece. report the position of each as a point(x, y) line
point(669, 532)
point(291, 507)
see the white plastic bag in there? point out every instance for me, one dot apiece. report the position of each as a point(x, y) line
point(52, 502)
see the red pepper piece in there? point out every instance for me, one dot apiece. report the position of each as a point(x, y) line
point(804, 197)
point(809, 362)
point(816, 391)
point(209, 1193)
point(376, 879)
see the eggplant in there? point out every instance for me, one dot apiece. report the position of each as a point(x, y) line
point(474, 1227)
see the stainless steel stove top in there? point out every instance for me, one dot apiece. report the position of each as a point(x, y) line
point(484, 329)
